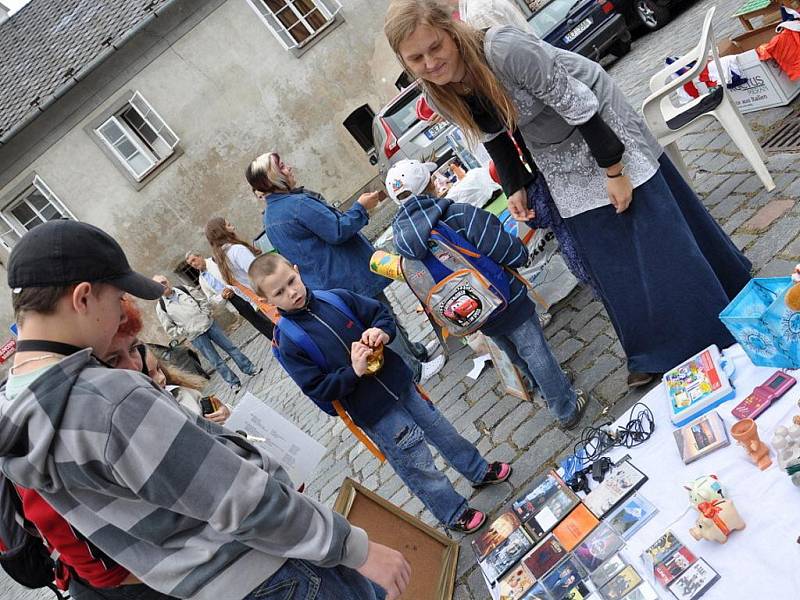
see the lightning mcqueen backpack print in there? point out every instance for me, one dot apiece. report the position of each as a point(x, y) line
point(458, 286)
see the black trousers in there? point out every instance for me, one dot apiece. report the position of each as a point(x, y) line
point(254, 317)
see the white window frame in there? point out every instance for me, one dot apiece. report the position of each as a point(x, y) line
point(10, 220)
point(150, 116)
point(329, 9)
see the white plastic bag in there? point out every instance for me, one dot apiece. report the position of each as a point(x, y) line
point(476, 188)
point(551, 279)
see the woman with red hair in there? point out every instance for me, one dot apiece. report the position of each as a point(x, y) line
point(126, 350)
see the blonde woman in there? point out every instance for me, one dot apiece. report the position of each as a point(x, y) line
point(232, 257)
point(662, 266)
point(186, 388)
point(327, 245)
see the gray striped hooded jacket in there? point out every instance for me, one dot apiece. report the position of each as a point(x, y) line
point(191, 509)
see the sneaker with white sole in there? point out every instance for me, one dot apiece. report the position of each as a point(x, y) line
point(581, 402)
point(544, 319)
point(431, 368)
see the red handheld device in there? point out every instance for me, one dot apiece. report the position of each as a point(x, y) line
point(764, 395)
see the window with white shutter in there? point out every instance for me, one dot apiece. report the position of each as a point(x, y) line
point(138, 137)
point(296, 22)
point(35, 205)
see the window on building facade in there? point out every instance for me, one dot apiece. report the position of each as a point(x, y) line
point(35, 205)
point(296, 22)
point(188, 274)
point(138, 137)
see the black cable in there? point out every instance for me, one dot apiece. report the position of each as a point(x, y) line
point(597, 440)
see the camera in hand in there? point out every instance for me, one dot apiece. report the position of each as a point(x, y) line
point(208, 405)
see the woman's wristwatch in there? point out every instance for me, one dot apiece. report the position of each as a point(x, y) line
point(620, 174)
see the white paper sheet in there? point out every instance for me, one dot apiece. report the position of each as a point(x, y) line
point(297, 451)
point(478, 365)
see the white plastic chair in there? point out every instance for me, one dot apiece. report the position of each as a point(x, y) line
point(669, 122)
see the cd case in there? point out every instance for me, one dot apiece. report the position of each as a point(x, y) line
point(502, 558)
point(631, 516)
point(600, 545)
point(575, 527)
point(547, 502)
point(619, 483)
point(497, 533)
point(700, 437)
point(694, 582)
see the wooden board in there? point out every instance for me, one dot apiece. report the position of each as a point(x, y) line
point(507, 371)
point(432, 555)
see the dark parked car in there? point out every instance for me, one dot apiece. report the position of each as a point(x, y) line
point(592, 28)
point(648, 14)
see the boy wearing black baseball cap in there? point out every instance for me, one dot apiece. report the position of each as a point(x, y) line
point(189, 508)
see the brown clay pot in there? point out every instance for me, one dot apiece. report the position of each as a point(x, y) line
point(745, 432)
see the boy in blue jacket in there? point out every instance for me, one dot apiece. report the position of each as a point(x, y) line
point(342, 328)
point(516, 330)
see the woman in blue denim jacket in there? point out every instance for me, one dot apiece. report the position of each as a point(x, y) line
point(326, 244)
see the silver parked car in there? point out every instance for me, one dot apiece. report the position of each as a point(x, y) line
point(399, 134)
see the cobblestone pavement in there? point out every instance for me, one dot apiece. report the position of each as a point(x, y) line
point(765, 225)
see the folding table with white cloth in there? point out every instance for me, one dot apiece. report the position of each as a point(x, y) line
point(761, 561)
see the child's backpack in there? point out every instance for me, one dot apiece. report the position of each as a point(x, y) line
point(458, 286)
point(23, 554)
point(300, 337)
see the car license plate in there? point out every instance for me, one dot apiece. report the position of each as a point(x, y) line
point(433, 132)
point(583, 26)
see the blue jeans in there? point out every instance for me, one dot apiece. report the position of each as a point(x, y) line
point(402, 433)
point(205, 344)
point(527, 348)
point(300, 580)
point(81, 591)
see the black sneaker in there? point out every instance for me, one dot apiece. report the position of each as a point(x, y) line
point(581, 402)
point(498, 472)
point(470, 521)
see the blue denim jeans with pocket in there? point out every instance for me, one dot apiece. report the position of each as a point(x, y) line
point(80, 591)
point(403, 435)
point(205, 344)
point(300, 580)
point(527, 348)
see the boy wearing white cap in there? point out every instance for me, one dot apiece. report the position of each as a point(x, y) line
point(515, 328)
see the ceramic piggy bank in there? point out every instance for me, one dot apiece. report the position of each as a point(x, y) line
point(705, 489)
point(717, 520)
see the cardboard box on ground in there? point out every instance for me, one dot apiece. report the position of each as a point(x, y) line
point(767, 85)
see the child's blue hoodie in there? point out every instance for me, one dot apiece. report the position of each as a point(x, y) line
point(365, 398)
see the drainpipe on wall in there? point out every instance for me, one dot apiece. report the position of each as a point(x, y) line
point(85, 70)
